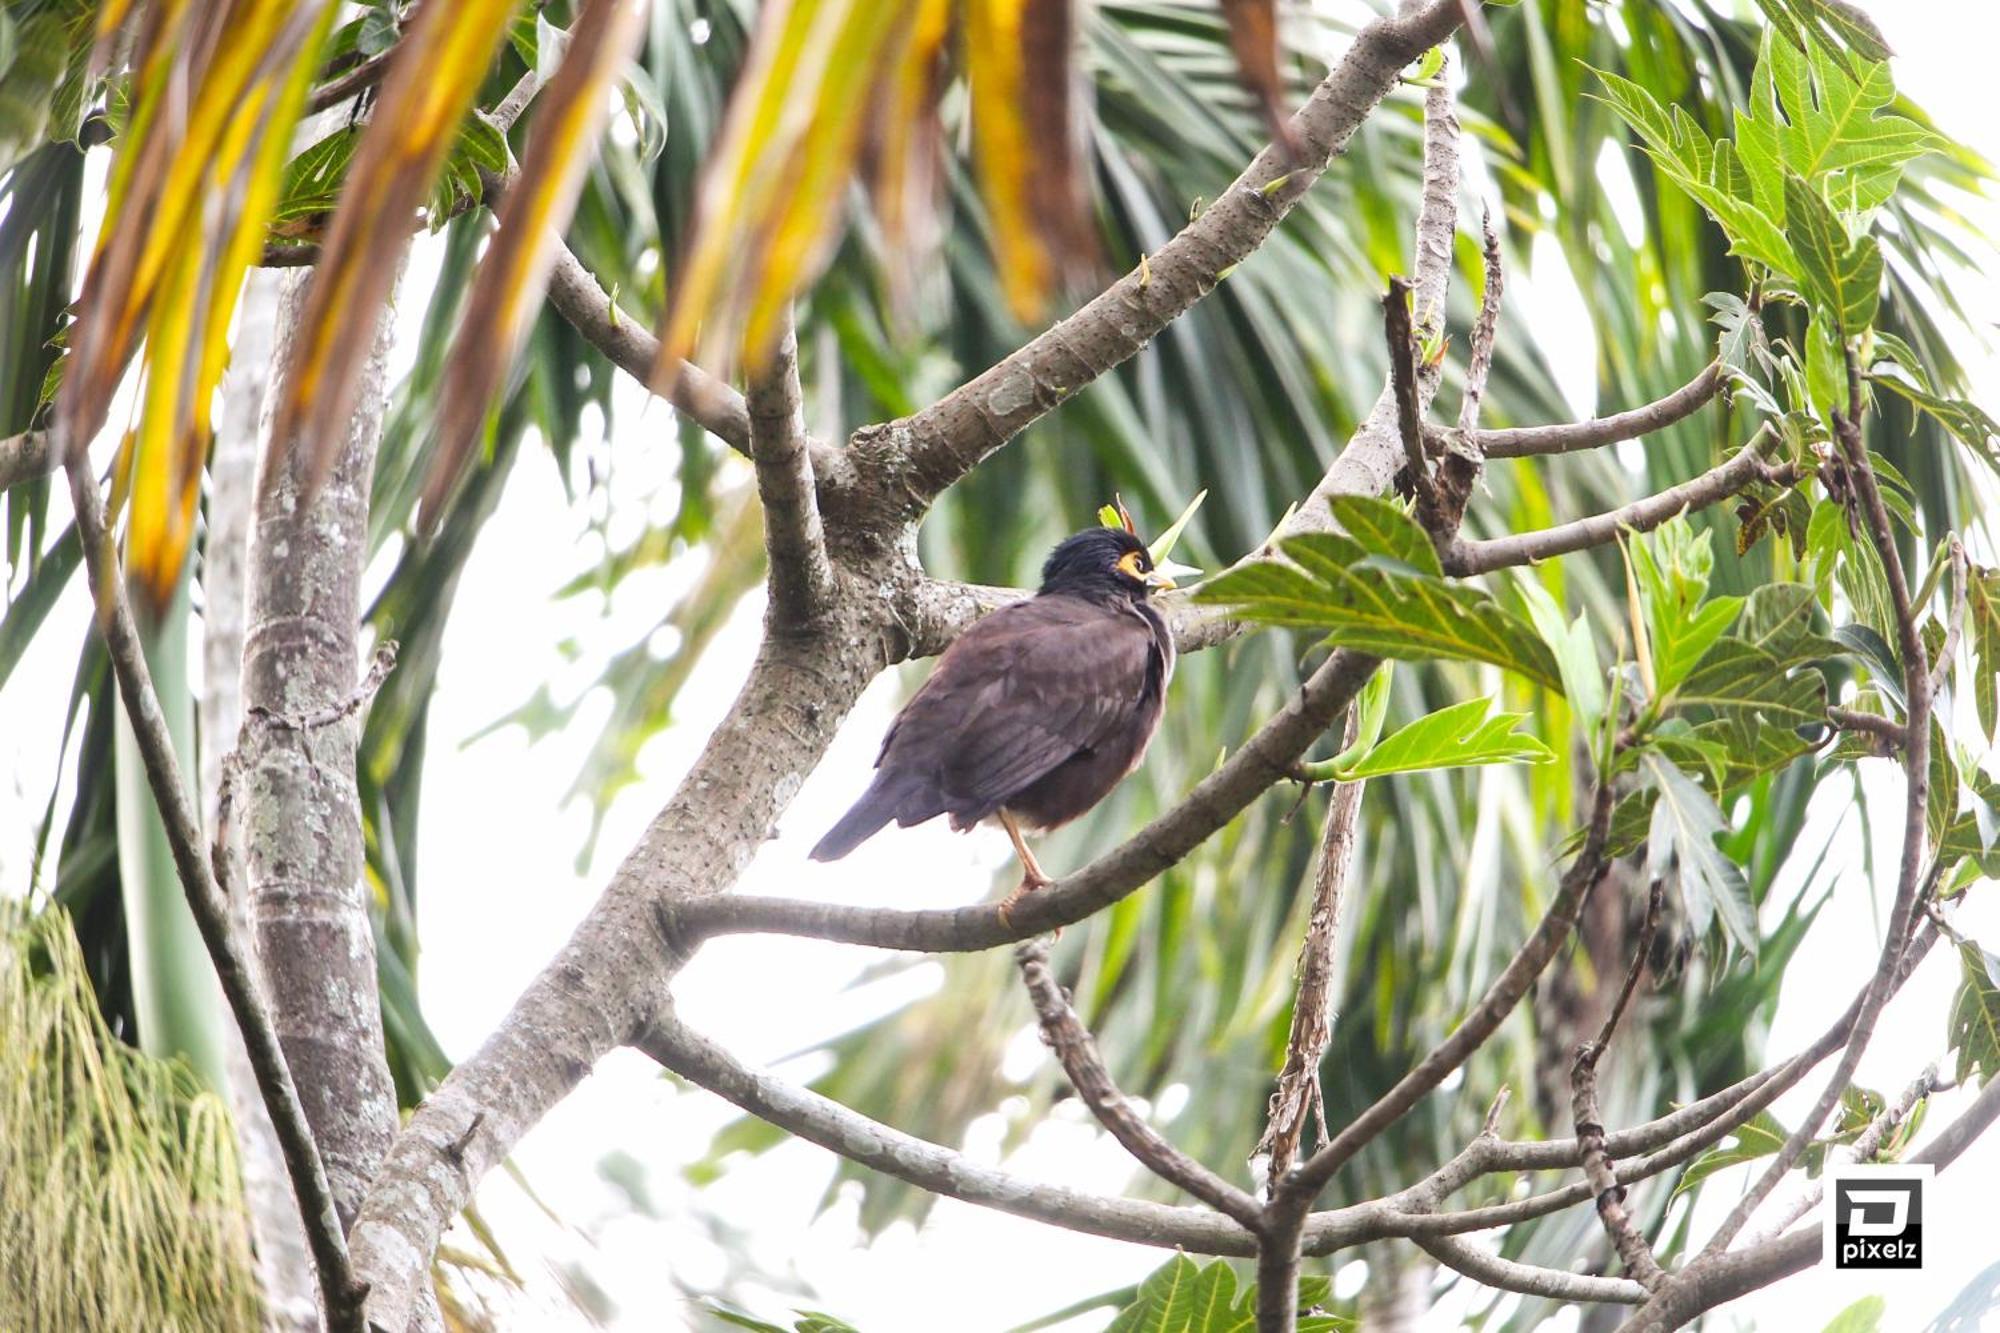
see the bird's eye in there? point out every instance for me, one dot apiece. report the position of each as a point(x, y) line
point(1132, 565)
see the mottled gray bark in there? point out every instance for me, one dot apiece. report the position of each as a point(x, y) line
point(301, 822)
point(284, 1268)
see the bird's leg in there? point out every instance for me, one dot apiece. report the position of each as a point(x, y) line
point(1032, 877)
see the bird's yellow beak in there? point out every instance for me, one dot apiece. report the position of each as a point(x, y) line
point(1156, 579)
point(1163, 574)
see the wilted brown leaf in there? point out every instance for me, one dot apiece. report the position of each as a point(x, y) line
point(508, 288)
point(1253, 36)
point(769, 203)
point(438, 67)
point(905, 148)
point(216, 94)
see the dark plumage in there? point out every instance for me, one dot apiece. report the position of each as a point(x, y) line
point(1036, 712)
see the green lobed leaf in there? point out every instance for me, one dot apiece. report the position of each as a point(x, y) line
point(1458, 736)
point(1181, 1297)
point(1681, 850)
point(1709, 171)
point(1383, 528)
point(1381, 597)
point(1815, 116)
point(1983, 610)
point(1758, 1137)
point(1864, 1316)
point(1672, 567)
point(1842, 275)
point(1575, 650)
point(1975, 1014)
point(1738, 679)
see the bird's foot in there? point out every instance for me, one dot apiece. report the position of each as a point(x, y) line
point(1030, 882)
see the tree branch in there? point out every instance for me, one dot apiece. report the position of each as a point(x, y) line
point(1408, 1213)
point(938, 445)
point(1064, 1033)
point(1485, 330)
point(1403, 386)
point(1528, 1279)
point(26, 457)
point(628, 344)
point(1911, 882)
point(358, 78)
point(1710, 1282)
point(209, 905)
point(1572, 437)
point(1471, 556)
point(816, 1119)
point(1853, 719)
point(609, 981)
point(801, 575)
point(1955, 624)
point(1863, 1149)
point(1264, 759)
point(1304, 1184)
point(1298, 1091)
point(1618, 1224)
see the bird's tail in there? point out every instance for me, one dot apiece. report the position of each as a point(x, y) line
point(876, 807)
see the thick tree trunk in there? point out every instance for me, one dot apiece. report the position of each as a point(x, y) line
point(301, 818)
point(284, 1270)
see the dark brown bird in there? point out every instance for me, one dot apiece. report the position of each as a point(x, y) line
point(1036, 712)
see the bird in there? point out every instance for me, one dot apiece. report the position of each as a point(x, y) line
point(1036, 712)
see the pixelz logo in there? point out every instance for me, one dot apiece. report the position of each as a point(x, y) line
point(1877, 1219)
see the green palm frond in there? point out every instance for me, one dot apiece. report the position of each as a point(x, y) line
point(120, 1204)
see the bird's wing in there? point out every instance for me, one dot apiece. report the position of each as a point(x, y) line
point(1025, 689)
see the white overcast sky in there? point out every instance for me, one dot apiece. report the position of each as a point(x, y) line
point(500, 892)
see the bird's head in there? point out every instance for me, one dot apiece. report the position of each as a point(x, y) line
point(1103, 562)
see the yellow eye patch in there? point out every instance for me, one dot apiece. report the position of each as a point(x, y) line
point(1131, 565)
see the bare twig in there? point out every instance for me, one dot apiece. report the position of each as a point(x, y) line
point(1409, 1213)
point(25, 457)
point(816, 1119)
point(1747, 466)
point(1066, 1035)
point(1403, 383)
point(1509, 1275)
point(1618, 1224)
point(1298, 1090)
point(1479, 361)
point(1305, 1183)
point(1886, 729)
point(801, 575)
point(1412, 1212)
point(357, 78)
point(1655, 902)
point(1571, 437)
point(210, 906)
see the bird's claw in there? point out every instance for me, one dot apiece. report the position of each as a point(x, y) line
point(1030, 882)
